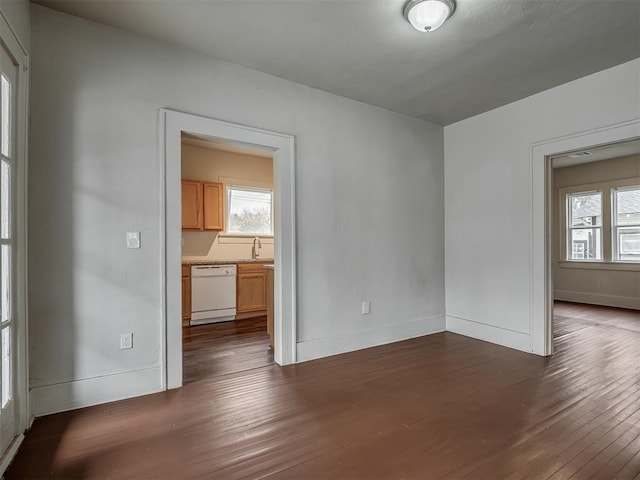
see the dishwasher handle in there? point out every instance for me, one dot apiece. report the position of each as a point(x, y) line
point(212, 270)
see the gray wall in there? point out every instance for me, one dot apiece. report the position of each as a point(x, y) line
point(605, 285)
point(17, 14)
point(369, 206)
point(489, 198)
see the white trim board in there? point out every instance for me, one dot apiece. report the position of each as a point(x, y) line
point(93, 391)
point(11, 451)
point(19, 55)
point(373, 337)
point(488, 333)
point(632, 303)
point(171, 126)
point(541, 280)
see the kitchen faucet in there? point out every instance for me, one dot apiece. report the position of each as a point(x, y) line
point(254, 251)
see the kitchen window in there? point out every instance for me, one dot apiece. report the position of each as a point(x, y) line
point(601, 225)
point(249, 211)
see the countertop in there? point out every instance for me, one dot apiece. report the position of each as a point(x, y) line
point(226, 262)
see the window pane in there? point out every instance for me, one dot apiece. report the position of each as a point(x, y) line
point(7, 386)
point(628, 243)
point(5, 191)
point(5, 286)
point(5, 101)
point(628, 206)
point(585, 244)
point(249, 211)
point(586, 209)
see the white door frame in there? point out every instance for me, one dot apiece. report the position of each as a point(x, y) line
point(172, 124)
point(541, 315)
point(16, 50)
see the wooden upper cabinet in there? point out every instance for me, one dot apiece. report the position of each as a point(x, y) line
point(202, 205)
point(213, 214)
point(191, 205)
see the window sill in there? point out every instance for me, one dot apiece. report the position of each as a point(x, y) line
point(618, 266)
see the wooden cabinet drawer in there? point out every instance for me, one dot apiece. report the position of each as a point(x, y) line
point(251, 267)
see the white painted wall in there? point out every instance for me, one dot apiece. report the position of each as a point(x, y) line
point(369, 206)
point(606, 284)
point(209, 165)
point(488, 198)
point(17, 13)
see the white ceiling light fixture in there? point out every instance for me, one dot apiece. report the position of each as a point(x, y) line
point(428, 15)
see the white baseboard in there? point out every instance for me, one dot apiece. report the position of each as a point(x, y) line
point(93, 391)
point(5, 461)
point(489, 333)
point(325, 347)
point(598, 299)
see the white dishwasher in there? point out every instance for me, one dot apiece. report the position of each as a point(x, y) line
point(213, 293)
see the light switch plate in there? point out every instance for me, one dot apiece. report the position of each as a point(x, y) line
point(366, 308)
point(126, 341)
point(133, 239)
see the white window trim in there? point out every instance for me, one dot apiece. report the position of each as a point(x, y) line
point(614, 222)
point(567, 227)
point(20, 311)
point(608, 261)
point(249, 186)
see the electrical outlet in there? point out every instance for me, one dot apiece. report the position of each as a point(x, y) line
point(366, 308)
point(126, 341)
point(133, 239)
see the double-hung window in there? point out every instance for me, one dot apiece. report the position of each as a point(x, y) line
point(626, 223)
point(584, 230)
point(602, 222)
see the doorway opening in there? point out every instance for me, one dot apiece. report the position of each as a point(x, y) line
point(227, 257)
point(542, 203)
point(179, 132)
point(595, 233)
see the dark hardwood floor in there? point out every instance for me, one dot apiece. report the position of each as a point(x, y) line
point(441, 406)
point(223, 348)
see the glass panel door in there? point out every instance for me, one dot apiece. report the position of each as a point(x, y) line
point(8, 81)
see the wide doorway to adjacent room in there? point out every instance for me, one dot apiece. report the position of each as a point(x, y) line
point(595, 237)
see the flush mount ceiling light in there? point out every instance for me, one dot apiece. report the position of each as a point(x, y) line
point(428, 15)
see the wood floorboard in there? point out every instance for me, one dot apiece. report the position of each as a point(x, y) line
point(224, 348)
point(437, 407)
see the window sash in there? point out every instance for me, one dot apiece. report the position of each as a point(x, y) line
point(228, 191)
point(616, 227)
point(597, 241)
point(570, 228)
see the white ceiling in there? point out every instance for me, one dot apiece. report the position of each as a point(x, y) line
point(489, 53)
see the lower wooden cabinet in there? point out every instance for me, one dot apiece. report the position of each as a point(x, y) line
point(270, 305)
point(251, 289)
point(186, 295)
